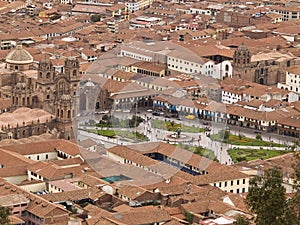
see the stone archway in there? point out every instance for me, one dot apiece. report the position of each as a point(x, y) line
point(261, 81)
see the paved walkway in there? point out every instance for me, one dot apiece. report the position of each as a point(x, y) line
point(196, 139)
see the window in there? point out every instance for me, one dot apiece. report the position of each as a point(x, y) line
point(231, 183)
point(238, 182)
point(244, 181)
point(46, 156)
point(243, 190)
point(226, 67)
point(38, 157)
point(225, 185)
point(237, 191)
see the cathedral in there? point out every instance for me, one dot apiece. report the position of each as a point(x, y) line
point(263, 68)
point(43, 89)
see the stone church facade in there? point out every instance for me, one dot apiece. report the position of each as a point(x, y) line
point(263, 68)
point(53, 92)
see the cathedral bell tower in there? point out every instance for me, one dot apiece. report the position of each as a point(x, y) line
point(241, 61)
point(64, 109)
point(71, 69)
point(45, 71)
point(45, 84)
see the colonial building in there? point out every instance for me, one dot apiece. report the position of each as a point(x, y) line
point(262, 68)
point(44, 88)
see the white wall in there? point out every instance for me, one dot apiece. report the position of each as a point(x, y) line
point(34, 187)
point(235, 186)
point(42, 156)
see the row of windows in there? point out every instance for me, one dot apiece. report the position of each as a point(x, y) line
point(38, 157)
point(185, 62)
point(136, 56)
point(35, 175)
point(296, 89)
point(231, 183)
point(295, 81)
point(186, 69)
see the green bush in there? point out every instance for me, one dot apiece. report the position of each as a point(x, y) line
point(241, 158)
point(95, 17)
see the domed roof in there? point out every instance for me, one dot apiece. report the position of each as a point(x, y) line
point(19, 56)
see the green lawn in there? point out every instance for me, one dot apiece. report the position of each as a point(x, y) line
point(239, 155)
point(111, 121)
point(242, 140)
point(167, 125)
point(123, 134)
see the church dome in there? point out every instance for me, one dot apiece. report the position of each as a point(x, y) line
point(19, 56)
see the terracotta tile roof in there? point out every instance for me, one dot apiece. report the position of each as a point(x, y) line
point(175, 152)
point(97, 221)
point(207, 205)
point(87, 143)
point(11, 159)
point(44, 147)
point(274, 103)
point(142, 215)
point(292, 121)
point(69, 162)
point(260, 115)
point(121, 208)
point(124, 75)
point(13, 199)
point(75, 195)
point(285, 162)
point(37, 205)
point(26, 115)
point(92, 181)
point(51, 171)
point(238, 201)
point(31, 148)
point(15, 220)
point(14, 171)
point(132, 192)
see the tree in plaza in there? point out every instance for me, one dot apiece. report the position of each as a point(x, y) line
point(258, 137)
point(224, 134)
point(4, 213)
point(266, 199)
point(95, 17)
point(241, 221)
